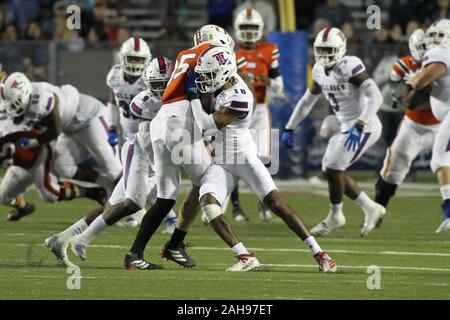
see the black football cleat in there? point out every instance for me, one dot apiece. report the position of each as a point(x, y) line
point(97, 194)
point(133, 262)
point(16, 214)
point(178, 255)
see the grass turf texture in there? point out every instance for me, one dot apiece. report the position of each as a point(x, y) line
point(414, 261)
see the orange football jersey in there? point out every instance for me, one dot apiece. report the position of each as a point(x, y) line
point(24, 158)
point(403, 66)
point(257, 63)
point(186, 61)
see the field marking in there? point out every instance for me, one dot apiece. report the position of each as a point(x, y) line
point(390, 253)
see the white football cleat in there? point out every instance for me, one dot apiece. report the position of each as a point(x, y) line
point(331, 222)
point(130, 222)
point(78, 248)
point(326, 264)
point(59, 248)
point(444, 226)
point(246, 262)
point(372, 216)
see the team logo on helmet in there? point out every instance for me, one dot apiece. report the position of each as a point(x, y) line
point(220, 57)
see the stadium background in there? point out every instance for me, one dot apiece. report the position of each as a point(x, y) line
point(35, 40)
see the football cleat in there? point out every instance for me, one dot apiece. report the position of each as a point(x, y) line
point(246, 262)
point(264, 212)
point(331, 222)
point(171, 223)
point(132, 262)
point(16, 214)
point(238, 213)
point(78, 248)
point(59, 248)
point(97, 194)
point(372, 216)
point(444, 226)
point(129, 222)
point(178, 255)
point(326, 264)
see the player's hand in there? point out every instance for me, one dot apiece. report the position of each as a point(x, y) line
point(191, 87)
point(354, 138)
point(410, 76)
point(27, 143)
point(112, 138)
point(287, 138)
point(265, 80)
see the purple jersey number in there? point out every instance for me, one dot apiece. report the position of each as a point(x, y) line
point(334, 102)
point(126, 109)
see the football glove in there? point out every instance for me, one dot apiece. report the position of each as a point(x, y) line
point(354, 138)
point(27, 143)
point(112, 138)
point(287, 138)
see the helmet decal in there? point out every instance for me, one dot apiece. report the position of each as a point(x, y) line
point(137, 44)
point(325, 34)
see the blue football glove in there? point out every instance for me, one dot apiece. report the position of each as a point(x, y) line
point(287, 138)
point(354, 138)
point(191, 87)
point(112, 138)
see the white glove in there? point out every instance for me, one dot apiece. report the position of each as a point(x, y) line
point(410, 76)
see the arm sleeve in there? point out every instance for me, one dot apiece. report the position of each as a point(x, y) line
point(371, 99)
point(302, 109)
point(114, 114)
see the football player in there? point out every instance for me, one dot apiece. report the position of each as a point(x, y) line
point(435, 72)
point(418, 128)
point(236, 157)
point(34, 165)
point(261, 62)
point(124, 81)
point(70, 117)
point(137, 185)
point(173, 130)
point(355, 99)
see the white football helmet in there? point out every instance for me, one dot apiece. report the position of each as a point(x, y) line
point(215, 67)
point(330, 47)
point(157, 75)
point(214, 35)
point(417, 44)
point(438, 35)
point(16, 92)
point(249, 26)
point(134, 56)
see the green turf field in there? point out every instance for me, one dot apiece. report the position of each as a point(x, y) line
point(414, 261)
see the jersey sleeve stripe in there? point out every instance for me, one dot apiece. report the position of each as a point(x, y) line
point(402, 65)
point(239, 105)
point(356, 69)
point(398, 70)
point(136, 109)
point(49, 103)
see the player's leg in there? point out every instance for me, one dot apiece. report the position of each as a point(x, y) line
point(440, 164)
point(14, 183)
point(261, 128)
point(238, 214)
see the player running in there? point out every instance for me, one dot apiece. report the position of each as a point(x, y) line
point(70, 117)
point(236, 157)
point(355, 99)
point(418, 129)
point(435, 72)
point(260, 60)
point(137, 185)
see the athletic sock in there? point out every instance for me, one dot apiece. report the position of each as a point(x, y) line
point(177, 238)
point(363, 200)
point(312, 244)
point(336, 208)
point(235, 196)
point(97, 226)
point(77, 228)
point(150, 223)
point(239, 249)
point(445, 192)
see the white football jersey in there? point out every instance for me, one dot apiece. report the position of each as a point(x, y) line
point(236, 136)
point(124, 92)
point(342, 95)
point(145, 106)
point(440, 93)
point(43, 101)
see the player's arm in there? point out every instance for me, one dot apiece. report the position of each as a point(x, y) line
point(371, 98)
point(216, 121)
point(304, 106)
point(115, 116)
point(248, 81)
point(274, 80)
point(429, 74)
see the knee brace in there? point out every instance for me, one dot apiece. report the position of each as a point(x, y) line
point(384, 191)
point(211, 211)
